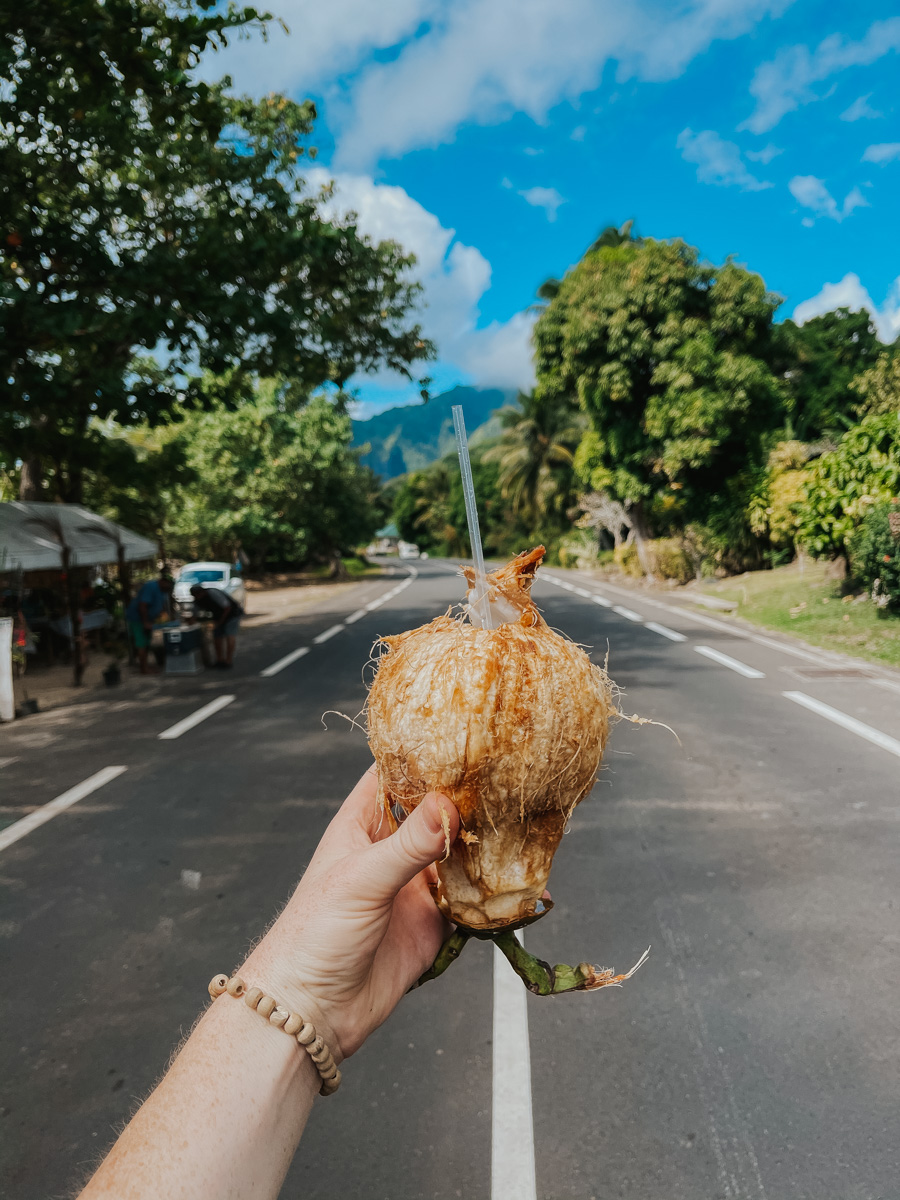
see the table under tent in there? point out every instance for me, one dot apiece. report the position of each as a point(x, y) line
point(57, 581)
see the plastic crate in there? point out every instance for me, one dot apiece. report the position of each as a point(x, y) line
point(189, 663)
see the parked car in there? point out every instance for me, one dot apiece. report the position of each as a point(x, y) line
point(408, 549)
point(219, 575)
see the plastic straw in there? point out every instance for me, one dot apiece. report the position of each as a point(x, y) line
point(480, 601)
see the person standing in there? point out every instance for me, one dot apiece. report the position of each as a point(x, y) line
point(141, 613)
point(227, 615)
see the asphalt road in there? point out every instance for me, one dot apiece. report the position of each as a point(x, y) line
point(755, 1056)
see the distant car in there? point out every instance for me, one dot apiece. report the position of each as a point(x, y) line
point(219, 575)
point(408, 549)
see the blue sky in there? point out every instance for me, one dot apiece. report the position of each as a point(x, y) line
point(495, 138)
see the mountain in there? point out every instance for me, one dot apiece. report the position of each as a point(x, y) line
point(413, 436)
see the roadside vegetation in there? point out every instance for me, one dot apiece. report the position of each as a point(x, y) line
point(678, 433)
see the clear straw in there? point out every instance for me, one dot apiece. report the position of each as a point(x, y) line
point(480, 600)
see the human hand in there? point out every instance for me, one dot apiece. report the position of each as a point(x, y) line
point(361, 926)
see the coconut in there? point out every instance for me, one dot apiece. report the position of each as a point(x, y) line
point(510, 723)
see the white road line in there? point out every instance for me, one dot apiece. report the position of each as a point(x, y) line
point(512, 1123)
point(733, 664)
point(354, 617)
point(628, 613)
point(672, 634)
point(48, 811)
point(7, 762)
point(602, 601)
point(882, 683)
point(284, 662)
point(373, 604)
point(329, 633)
point(583, 592)
point(180, 727)
point(875, 736)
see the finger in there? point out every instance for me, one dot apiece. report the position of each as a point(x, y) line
point(421, 839)
point(349, 828)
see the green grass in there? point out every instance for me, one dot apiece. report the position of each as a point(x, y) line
point(803, 602)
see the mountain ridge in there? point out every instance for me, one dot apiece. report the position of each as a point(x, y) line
point(410, 437)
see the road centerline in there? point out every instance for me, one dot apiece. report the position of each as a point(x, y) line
point(180, 727)
point(267, 672)
point(328, 633)
point(664, 631)
point(875, 736)
point(628, 613)
point(733, 664)
point(512, 1121)
point(53, 808)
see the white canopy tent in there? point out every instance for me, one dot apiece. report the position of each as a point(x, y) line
point(35, 536)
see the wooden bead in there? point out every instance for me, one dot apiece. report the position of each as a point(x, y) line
point(293, 1024)
point(330, 1086)
point(319, 1055)
point(316, 1045)
point(253, 996)
point(266, 1007)
point(279, 1017)
point(217, 985)
point(307, 1034)
point(328, 1070)
point(235, 986)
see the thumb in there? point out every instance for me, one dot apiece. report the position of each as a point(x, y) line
point(419, 841)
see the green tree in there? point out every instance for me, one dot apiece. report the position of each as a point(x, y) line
point(878, 389)
point(843, 485)
point(819, 360)
point(669, 357)
point(144, 209)
point(535, 456)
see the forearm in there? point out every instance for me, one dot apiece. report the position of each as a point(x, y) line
point(226, 1118)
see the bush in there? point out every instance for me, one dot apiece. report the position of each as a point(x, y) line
point(577, 549)
point(670, 560)
point(875, 554)
point(626, 559)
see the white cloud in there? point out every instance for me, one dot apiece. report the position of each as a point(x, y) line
point(578, 133)
point(546, 198)
point(480, 61)
point(850, 293)
point(861, 110)
point(812, 193)
point(882, 152)
point(455, 277)
point(765, 155)
point(787, 82)
point(718, 162)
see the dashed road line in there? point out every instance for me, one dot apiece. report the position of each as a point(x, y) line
point(328, 633)
point(733, 664)
point(354, 617)
point(48, 811)
point(602, 601)
point(664, 631)
point(580, 591)
point(512, 1121)
point(284, 662)
point(875, 736)
point(628, 613)
point(180, 727)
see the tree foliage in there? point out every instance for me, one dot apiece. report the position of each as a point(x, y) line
point(820, 360)
point(844, 484)
point(147, 210)
point(878, 388)
point(669, 357)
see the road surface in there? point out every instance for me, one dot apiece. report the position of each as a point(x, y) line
point(755, 1056)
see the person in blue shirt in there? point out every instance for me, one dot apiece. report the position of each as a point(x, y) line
point(150, 601)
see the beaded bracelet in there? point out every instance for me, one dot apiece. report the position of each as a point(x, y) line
point(305, 1033)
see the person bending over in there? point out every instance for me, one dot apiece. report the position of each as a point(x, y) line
point(358, 931)
point(227, 615)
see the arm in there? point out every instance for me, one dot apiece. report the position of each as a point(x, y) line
point(357, 932)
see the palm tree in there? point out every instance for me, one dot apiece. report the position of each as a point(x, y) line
point(535, 455)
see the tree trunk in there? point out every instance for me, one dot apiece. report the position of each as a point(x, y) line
point(31, 478)
point(78, 657)
point(641, 533)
